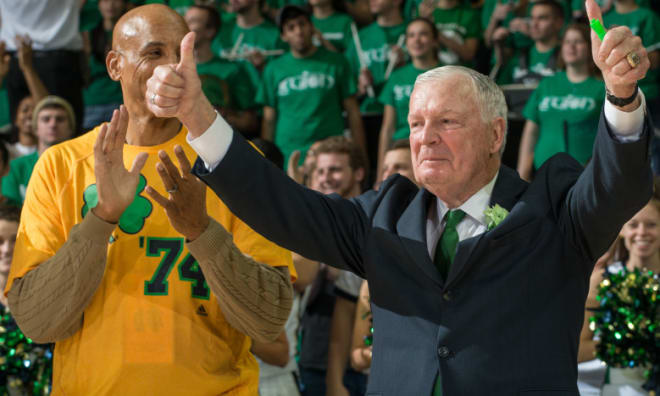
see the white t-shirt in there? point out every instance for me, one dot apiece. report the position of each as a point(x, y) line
point(51, 24)
point(18, 150)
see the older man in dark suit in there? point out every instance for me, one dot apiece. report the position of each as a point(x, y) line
point(463, 304)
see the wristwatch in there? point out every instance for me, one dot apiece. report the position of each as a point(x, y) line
point(617, 101)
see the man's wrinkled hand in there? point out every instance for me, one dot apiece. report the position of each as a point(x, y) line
point(185, 205)
point(611, 54)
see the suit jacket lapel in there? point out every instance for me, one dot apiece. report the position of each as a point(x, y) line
point(411, 229)
point(508, 189)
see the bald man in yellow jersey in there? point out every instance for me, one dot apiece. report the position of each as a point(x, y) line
point(139, 298)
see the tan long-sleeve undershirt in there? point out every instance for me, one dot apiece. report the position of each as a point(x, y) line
point(49, 301)
point(255, 298)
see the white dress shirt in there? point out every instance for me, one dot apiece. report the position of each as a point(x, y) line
point(473, 224)
point(213, 144)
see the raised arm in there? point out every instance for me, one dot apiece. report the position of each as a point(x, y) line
point(35, 85)
point(618, 181)
point(321, 228)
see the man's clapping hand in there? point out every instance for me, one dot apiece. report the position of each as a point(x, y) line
point(115, 184)
point(185, 205)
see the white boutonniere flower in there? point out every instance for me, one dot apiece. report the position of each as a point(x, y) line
point(494, 216)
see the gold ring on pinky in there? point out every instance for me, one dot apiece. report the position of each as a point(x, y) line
point(633, 59)
point(174, 189)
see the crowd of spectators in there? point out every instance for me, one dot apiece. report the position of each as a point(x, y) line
point(322, 88)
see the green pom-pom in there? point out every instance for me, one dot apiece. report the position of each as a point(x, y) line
point(627, 321)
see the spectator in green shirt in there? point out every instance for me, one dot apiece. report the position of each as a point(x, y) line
point(54, 121)
point(333, 25)
point(459, 29)
point(305, 90)
point(377, 41)
point(102, 95)
point(422, 45)
point(21, 140)
point(249, 38)
point(563, 112)
point(577, 6)
point(529, 66)
point(509, 16)
point(226, 84)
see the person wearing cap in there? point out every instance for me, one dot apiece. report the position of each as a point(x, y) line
point(54, 121)
point(305, 90)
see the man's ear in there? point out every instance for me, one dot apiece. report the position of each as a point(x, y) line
point(499, 134)
point(113, 64)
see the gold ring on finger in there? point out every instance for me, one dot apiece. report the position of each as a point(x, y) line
point(633, 59)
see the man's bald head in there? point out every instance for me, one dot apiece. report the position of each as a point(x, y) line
point(144, 38)
point(154, 19)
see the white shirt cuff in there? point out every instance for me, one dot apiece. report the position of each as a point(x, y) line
point(627, 126)
point(212, 145)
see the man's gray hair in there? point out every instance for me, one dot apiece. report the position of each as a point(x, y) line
point(489, 96)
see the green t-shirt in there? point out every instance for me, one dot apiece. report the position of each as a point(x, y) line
point(644, 23)
point(307, 94)
point(567, 115)
point(396, 93)
point(90, 15)
point(459, 23)
point(226, 84)
point(262, 37)
point(410, 10)
point(516, 40)
point(16, 181)
point(376, 42)
point(180, 6)
point(5, 118)
point(538, 64)
point(336, 29)
point(277, 4)
point(101, 89)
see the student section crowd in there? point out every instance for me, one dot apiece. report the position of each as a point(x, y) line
point(322, 88)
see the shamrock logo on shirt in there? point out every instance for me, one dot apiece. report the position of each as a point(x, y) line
point(133, 218)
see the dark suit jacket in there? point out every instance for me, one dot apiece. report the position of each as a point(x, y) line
point(507, 319)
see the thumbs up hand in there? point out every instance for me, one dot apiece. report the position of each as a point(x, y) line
point(175, 90)
point(620, 56)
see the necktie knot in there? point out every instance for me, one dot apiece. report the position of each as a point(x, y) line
point(453, 217)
